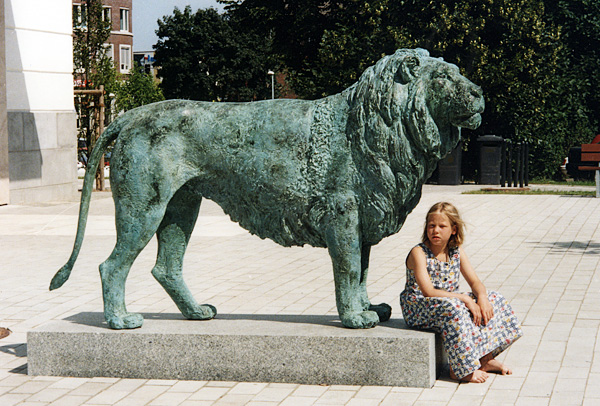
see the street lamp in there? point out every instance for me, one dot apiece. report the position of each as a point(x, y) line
point(272, 74)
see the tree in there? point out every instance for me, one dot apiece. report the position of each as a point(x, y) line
point(206, 56)
point(93, 67)
point(92, 64)
point(91, 31)
point(579, 21)
point(138, 89)
point(322, 44)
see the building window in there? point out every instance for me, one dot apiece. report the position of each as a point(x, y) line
point(106, 14)
point(79, 16)
point(124, 19)
point(125, 58)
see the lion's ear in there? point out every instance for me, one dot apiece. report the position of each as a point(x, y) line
point(409, 69)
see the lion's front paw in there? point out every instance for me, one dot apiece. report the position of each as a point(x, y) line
point(366, 319)
point(129, 320)
point(201, 312)
point(383, 310)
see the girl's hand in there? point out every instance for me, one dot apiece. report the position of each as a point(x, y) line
point(473, 308)
point(487, 311)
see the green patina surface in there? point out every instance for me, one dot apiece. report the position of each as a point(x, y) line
point(341, 172)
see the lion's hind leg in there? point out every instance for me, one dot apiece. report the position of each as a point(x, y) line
point(135, 227)
point(173, 236)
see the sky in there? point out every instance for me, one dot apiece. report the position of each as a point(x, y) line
point(145, 13)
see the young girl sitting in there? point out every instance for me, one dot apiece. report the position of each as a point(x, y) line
point(475, 327)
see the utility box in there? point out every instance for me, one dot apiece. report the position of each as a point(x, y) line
point(449, 168)
point(490, 158)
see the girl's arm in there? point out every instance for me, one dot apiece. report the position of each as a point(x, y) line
point(477, 287)
point(417, 262)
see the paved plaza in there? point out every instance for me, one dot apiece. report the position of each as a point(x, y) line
point(541, 251)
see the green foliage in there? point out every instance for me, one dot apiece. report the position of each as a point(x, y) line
point(323, 45)
point(139, 89)
point(579, 21)
point(207, 56)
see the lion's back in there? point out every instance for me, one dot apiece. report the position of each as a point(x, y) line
point(257, 160)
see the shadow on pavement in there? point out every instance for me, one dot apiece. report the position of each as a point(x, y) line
point(19, 350)
point(588, 247)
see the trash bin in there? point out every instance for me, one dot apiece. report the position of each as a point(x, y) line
point(490, 158)
point(449, 168)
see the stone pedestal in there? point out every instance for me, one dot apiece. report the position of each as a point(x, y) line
point(253, 348)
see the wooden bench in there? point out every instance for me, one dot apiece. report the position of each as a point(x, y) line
point(591, 153)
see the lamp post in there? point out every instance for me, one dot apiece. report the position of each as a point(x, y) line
point(272, 74)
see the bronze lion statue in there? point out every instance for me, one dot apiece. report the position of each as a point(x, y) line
point(341, 172)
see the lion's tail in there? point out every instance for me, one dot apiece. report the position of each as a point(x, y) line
point(108, 136)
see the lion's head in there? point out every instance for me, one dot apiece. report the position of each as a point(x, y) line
point(426, 95)
point(404, 112)
point(451, 98)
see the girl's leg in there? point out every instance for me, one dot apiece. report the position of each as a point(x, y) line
point(454, 319)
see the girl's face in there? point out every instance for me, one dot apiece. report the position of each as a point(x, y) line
point(439, 229)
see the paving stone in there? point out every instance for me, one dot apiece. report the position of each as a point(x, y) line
point(10, 399)
point(31, 387)
point(208, 393)
point(170, 398)
point(187, 386)
point(247, 388)
point(233, 400)
point(336, 397)
point(310, 391)
point(108, 397)
point(47, 395)
point(144, 394)
point(69, 400)
point(500, 396)
point(363, 402)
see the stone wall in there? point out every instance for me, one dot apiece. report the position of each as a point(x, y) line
point(41, 122)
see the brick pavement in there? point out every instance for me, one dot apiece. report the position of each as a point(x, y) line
point(542, 252)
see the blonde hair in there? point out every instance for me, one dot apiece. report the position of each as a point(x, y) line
point(456, 221)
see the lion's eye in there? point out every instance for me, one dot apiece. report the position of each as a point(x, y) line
point(441, 75)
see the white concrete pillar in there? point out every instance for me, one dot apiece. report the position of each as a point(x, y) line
point(41, 122)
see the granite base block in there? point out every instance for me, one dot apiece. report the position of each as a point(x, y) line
point(241, 348)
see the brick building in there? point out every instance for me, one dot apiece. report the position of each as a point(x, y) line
point(120, 43)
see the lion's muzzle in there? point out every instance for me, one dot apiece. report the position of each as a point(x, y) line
point(476, 104)
point(471, 123)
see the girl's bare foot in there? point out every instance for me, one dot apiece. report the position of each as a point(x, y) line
point(478, 376)
point(496, 366)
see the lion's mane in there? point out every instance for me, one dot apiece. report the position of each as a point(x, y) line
point(396, 143)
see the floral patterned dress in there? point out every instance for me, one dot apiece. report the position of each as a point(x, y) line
point(464, 342)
